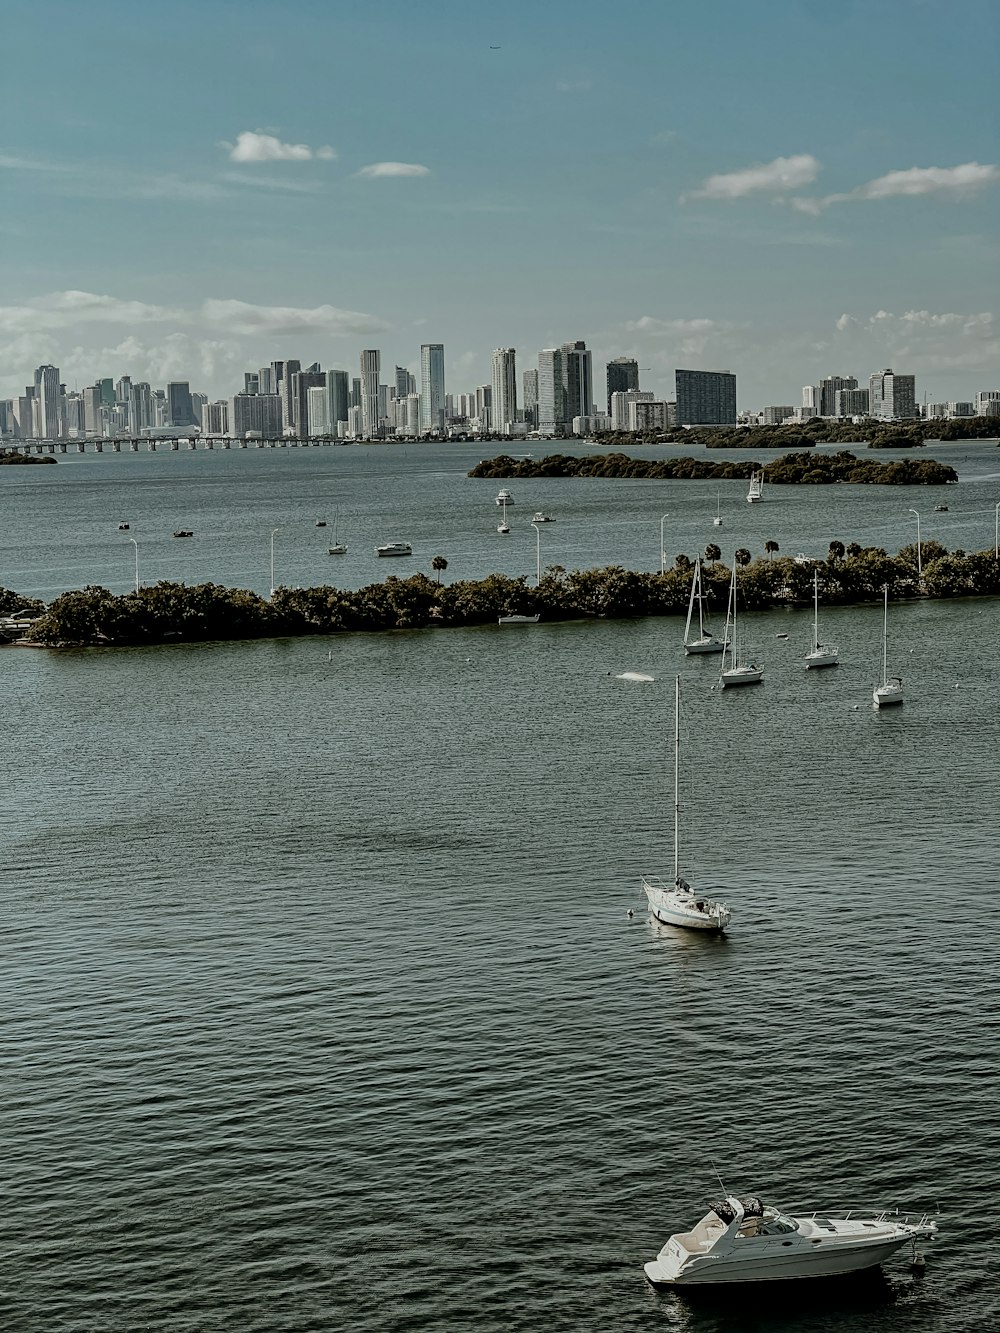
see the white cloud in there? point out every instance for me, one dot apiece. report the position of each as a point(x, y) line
point(958, 181)
point(256, 146)
point(65, 310)
point(777, 177)
point(240, 317)
point(12, 163)
point(685, 338)
point(380, 169)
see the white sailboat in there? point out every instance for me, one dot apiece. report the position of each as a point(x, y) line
point(756, 491)
point(820, 654)
point(503, 527)
point(338, 547)
point(717, 521)
point(891, 689)
point(678, 904)
point(737, 673)
point(706, 642)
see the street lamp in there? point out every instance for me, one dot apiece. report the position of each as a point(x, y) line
point(274, 533)
point(920, 561)
point(136, 545)
point(662, 553)
point(538, 554)
point(996, 530)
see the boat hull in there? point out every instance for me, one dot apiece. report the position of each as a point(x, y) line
point(704, 646)
point(740, 676)
point(887, 696)
point(821, 657)
point(832, 1261)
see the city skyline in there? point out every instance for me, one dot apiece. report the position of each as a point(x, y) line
point(755, 193)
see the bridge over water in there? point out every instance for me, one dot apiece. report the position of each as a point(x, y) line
point(168, 444)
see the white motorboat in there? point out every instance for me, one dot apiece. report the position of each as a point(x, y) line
point(737, 673)
point(542, 518)
point(820, 654)
point(504, 497)
point(756, 491)
point(519, 620)
point(741, 1240)
point(891, 690)
point(394, 548)
point(706, 642)
point(717, 521)
point(678, 904)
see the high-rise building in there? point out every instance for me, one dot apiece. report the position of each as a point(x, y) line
point(92, 410)
point(338, 397)
point(107, 387)
point(810, 400)
point(774, 416)
point(251, 381)
point(504, 397)
point(529, 385)
point(828, 390)
point(286, 391)
point(265, 380)
point(892, 397)
point(431, 386)
point(578, 380)
point(988, 403)
point(621, 404)
point(371, 361)
point(301, 382)
point(317, 418)
point(215, 418)
point(47, 407)
point(551, 391)
point(410, 421)
point(705, 397)
point(623, 376)
point(405, 382)
point(851, 403)
point(256, 413)
point(180, 410)
point(198, 401)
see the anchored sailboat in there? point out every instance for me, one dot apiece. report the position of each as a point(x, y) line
point(678, 904)
point(717, 521)
point(706, 642)
point(503, 527)
point(756, 491)
point(820, 654)
point(737, 673)
point(891, 689)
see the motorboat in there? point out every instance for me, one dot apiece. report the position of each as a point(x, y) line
point(742, 1240)
point(820, 654)
point(717, 521)
point(123, 527)
point(706, 642)
point(940, 509)
point(542, 518)
point(519, 620)
point(738, 672)
point(891, 690)
point(504, 497)
point(394, 548)
point(677, 904)
point(183, 532)
point(756, 491)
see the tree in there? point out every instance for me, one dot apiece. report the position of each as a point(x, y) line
point(837, 550)
point(771, 547)
point(713, 552)
point(742, 557)
point(439, 564)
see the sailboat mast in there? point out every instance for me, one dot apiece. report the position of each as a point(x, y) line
point(815, 608)
point(885, 636)
point(677, 772)
point(701, 604)
point(694, 590)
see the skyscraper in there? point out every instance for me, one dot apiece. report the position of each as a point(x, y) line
point(431, 386)
point(371, 361)
point(338, 397)
point(892, 397)
point(302, 382)
point(47, 400)
point(705, 397)
point(551, 393)
point(286, 391)
point(828, 390)
point(504, 399)
point(578, 380)
point(180, 410)
point(529, 382)
point(623, 376)
point(251, 381)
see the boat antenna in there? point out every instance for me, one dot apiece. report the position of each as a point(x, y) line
point(719, 1179)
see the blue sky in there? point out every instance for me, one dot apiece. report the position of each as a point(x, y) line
point(784, 190)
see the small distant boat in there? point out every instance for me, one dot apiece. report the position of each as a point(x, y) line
point(519, 620)
point(940, 509)
point(706, 642)
point(183, 532)
point(321, 522)
point(542, 518)
point(123, 527)
point(503, 527)
point(678, 904)
point(741, 1240)
point(737, 673)
point(891, 689)
point(504, 497)
point(394, 548)
point(337, 549)
point(756, 491)
point(820, 655)
point(717, 521)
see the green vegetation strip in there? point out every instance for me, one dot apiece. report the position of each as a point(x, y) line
point(172, 612)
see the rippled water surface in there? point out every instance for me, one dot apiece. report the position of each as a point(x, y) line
point(323, 1009)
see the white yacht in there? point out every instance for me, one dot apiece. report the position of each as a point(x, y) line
point(504, 497)
point(756, 491)
point(518, 620)
point(540, 517)
point(891, 690)
point(741, 1240)
point(394, 548)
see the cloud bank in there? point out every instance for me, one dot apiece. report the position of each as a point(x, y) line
point(777, 177)
point(256, 146)
point(377, 170)
point(966, 179)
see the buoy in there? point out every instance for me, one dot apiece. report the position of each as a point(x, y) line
point(630, 913)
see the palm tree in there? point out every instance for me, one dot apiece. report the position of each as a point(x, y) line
point(771, 547)
point(439, 564)
point(713, 552)
point(742, 557)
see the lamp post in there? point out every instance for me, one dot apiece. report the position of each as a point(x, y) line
point(274, 533)
point(996, 530)
point(538, 554)
point(920, 561)
point(662, 554)
point(136, 545)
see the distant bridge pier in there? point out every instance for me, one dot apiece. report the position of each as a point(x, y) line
point(152, 446)
point(80, 447)
point(116, 445)
point(134, 446)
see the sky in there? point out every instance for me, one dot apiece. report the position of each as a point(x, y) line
point(785, 190)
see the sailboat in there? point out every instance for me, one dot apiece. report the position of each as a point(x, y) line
point(820, 654)
point(338, 547)
point(678, 904)
point(717, 521)
point(891, 689)
point(503, 527)
point(706, 642)
point(756, 491)
point(737, 673)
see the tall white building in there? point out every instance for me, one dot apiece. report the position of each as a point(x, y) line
point(988, 403)
point(371, 361)
point(317, 410)
point(504, 399)
point(551, 394)
point(892, 397)
point(621, 402)
point(47, 403)
point(431, 386)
